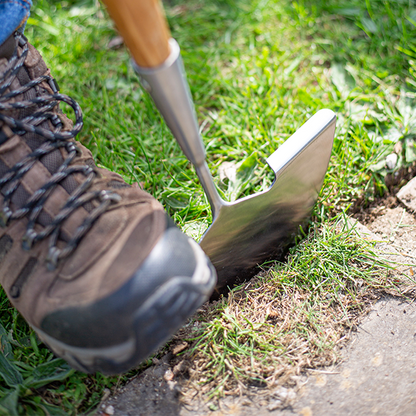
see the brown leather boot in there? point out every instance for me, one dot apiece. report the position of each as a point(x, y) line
point(93, 264)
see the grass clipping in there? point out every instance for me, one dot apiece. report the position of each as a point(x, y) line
point(289, 319)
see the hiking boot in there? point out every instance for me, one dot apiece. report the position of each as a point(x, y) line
point(94, 265)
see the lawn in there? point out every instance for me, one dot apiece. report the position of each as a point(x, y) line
point(257, 70)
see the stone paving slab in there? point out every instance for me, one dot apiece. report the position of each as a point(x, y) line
point(407, 195)
point(378, 375)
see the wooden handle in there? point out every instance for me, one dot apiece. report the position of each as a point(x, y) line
point(143, 26)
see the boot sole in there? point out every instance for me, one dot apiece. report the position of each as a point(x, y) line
point(155, 321)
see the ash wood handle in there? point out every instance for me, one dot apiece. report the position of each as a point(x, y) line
point(143, 27)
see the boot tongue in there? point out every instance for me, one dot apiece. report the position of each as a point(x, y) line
point(7, 47)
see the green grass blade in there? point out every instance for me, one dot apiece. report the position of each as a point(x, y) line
point(10, 373)
point(55, 370)
point(9, 402)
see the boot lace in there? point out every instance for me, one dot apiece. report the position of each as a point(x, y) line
point(43, 107)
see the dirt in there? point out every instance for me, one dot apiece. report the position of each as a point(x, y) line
point(375, 375)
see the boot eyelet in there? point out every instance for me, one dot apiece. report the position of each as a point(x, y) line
point(5, 215)
point(28, 239)
point(52, 258)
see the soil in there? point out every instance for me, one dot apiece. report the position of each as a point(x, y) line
point(375, 375)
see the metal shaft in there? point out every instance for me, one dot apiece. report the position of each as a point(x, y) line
point(169, 89)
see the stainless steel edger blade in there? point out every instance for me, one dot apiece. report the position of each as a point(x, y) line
point(251, 230)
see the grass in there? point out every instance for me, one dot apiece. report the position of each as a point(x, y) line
point(289, 318)
point(257, 70)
